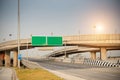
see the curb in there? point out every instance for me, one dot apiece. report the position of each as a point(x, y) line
point(14, 75)
point(1, 69)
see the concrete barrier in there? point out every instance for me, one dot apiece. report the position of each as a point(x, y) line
point(100, 63)
point(89, 61)
point(30, 64)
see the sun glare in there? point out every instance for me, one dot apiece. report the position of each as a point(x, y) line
point(99, 27)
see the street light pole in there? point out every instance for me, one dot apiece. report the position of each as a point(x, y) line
point(51, 33)
point(94, 27)
point(18, 31)
point(65, 49)
point(27, 49)
point(79, 34)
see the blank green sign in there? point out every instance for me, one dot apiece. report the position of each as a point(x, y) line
point(46, 41)
point(54, 41)
point(38, 40)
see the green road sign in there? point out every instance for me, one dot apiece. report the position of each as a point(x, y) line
point(54, 41)
point(47, 41)
point(38, 40)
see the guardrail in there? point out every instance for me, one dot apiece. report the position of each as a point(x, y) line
point(89, 61)
point(30, 64)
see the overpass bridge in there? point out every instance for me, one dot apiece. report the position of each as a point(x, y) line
point(76, 49)
point(99, 42)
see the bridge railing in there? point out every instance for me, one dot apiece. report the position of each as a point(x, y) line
point(92, 37)
point(14, 42)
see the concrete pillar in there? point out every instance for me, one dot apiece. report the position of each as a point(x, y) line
point(1, 58)
point(103, 54)
point(15, 58)
point(7, 58)
point(93, 55)
point(1, 63)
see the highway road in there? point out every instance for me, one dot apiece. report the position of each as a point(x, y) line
point(82, 71)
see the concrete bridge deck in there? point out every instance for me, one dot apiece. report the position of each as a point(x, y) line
point(98, 40)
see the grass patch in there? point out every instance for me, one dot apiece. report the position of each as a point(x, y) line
point(35, 74)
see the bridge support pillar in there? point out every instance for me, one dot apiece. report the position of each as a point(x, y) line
point(1, 62)
point(1, 58)
point(7, 58)
point(15, 58)
point(103, 54)
point(93, 55)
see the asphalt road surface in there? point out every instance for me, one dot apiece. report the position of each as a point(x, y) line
point(86, 72)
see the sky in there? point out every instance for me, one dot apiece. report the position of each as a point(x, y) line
point(60, 17)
